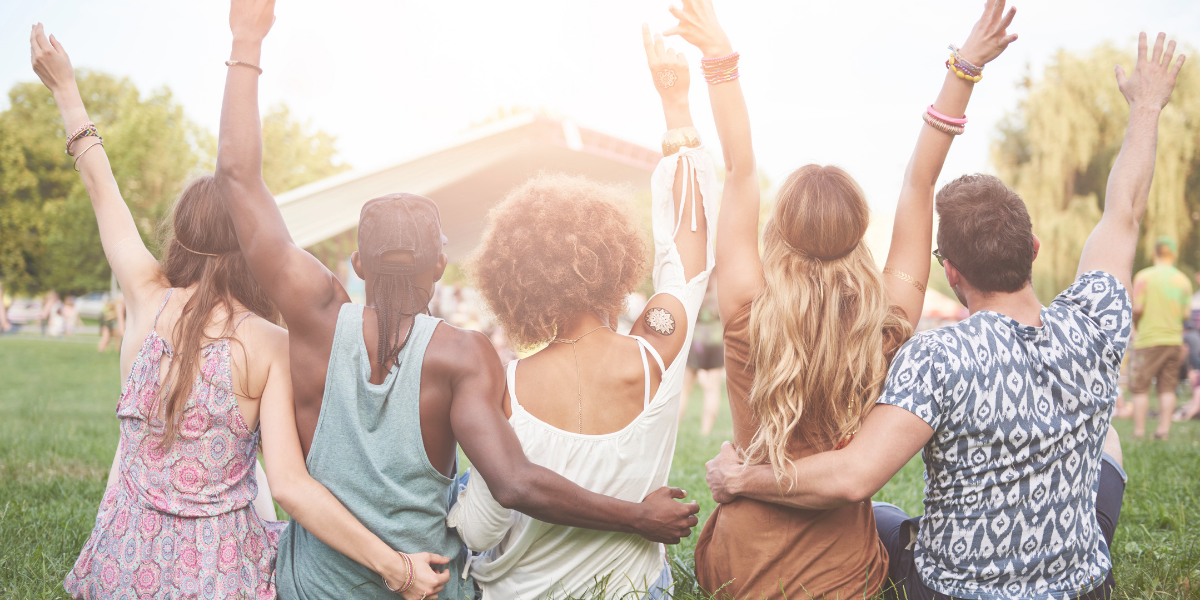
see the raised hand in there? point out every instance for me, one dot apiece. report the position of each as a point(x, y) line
point(666, 521)
point(699, 27)
point(669, 69)
point(51, 62)
point(251, 19)
point(989, 37)
point(1153, 78)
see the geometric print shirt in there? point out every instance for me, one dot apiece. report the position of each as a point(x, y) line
point(1019, 416)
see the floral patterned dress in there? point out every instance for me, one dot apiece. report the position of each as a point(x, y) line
point(179, 523)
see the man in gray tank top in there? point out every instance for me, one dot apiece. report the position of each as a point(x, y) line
point(385, 394)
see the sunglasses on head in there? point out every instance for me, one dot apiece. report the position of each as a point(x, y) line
point(937, 253)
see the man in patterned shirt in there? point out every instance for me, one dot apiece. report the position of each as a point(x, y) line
point(1023, 482)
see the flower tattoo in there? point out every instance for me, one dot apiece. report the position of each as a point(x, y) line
point(661, 320)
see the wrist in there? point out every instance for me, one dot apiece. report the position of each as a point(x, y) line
point(1148, 110)
point(677, 112)
point(718, 48)
point(246, 49)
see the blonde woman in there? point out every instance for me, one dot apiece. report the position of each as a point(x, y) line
point(810, 328)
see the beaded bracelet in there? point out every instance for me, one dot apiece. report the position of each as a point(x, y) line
point(85, 130)
point(720, 69)
point(238, 63)
point(941, 125)
point(963, 69)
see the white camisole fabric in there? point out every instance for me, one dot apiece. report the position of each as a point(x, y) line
point(523, 558)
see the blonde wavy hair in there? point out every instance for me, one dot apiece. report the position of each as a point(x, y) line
point(822, 331)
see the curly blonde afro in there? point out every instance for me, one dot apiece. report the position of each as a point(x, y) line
point(555, 247)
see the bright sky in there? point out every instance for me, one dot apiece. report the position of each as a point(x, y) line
point(830, 82)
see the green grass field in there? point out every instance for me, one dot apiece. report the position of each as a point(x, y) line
point(58, 433)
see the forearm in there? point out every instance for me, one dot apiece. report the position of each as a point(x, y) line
point(325, 517)
point(239, 153)
point(732, 119)
point(818, 482)
point(547, 496)
point(932, 145)
point(678, 112)
point(1133, 171)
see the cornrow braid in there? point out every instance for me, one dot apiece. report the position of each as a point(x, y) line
point(389, 312)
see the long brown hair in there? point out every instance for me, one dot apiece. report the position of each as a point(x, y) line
point(822, 331)
point(202, 250)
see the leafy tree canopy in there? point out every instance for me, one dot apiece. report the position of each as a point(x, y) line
point(48, 234)
point(1058, 148)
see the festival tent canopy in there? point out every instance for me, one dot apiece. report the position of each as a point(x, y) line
point(468, 177)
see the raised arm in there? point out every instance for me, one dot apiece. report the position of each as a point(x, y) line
point(736, 246)
point(307, 293)
point(516, 483)
point(312, 505)
point(1113, 243)
point(912, 233)
point(135, 268)
point(683, 190)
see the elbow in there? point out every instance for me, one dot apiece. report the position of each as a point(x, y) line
point(508, 495)
point(285, 493)
point(853, 489)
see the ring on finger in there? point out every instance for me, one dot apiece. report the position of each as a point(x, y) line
point(665, 78)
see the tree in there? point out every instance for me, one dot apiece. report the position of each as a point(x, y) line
point(1058, 148)
point(292, 156)
point(48, 234)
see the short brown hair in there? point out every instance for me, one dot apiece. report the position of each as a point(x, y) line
point(985, 231)
point(555, 247)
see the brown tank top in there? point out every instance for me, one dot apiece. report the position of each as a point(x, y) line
point(756, 549)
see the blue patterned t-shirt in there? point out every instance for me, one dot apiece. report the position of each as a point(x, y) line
point(1019, 416)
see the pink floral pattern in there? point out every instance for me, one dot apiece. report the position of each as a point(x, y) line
point(178, 523)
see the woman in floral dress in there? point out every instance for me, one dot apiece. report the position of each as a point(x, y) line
point(206, 373)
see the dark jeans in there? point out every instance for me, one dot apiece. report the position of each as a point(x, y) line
point(898, 533)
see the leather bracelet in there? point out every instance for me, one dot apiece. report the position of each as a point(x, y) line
point(681, 137)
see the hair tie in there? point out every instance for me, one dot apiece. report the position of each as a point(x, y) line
point(193, 251)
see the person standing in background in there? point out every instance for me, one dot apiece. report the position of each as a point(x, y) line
point(49, 312)
point(706, 362)
point(112, 322)
point(1191, 337)
point(1161, 303)
point(5, 326)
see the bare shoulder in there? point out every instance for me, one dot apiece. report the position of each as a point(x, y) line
point(264, 337)
point(461, 352)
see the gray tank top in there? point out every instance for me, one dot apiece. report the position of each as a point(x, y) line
point(367, 449)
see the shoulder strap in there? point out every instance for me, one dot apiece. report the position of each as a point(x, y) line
point(243, 319)
point(646, 370)
point(512, 382)
point(160, 308)
point(653, 353)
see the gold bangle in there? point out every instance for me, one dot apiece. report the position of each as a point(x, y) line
point(681, 137)
point(905, 277)
point(75, 165)
point(237, 63)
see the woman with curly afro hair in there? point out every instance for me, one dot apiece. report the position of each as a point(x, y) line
point(559, 258)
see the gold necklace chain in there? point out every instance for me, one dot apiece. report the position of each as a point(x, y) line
point(578, 375)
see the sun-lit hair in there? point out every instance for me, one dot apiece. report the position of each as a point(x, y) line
point(202, 249)
point(822, 332)
point(558, 246)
